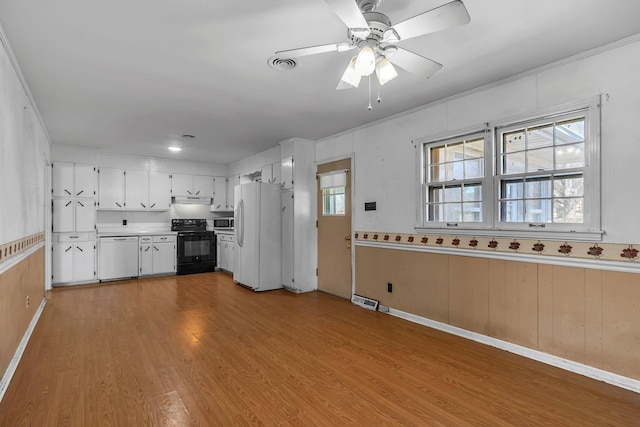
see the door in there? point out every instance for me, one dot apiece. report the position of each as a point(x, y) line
point(146, 259)
point(246, 265)
point(203, 186)
point(219, 194)
point(181, 185)
point(334, 228)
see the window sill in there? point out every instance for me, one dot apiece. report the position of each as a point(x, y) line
point(577, 236)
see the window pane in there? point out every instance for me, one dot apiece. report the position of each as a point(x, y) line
point(572, 186)
point(454, 152)
point(570, 131)
point(472, 193)
point(540, 160)
point(474, 148)
point(437, 154)
point(474, 168)
point(513, 141)
point(540, 136)
point(333, 201)
point(436, 194)
point(570, 156)
point(453, 194)
point(437, 173)
point(511, 211)
point(436, 212)
point(453, 212)
point(513, 163)
point(538, 187)
point(512, 189)
point(472, 212)
point(538, 210)
point(568, 210)
point(455, 170)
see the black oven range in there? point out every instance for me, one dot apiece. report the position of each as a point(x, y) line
point(196, 246)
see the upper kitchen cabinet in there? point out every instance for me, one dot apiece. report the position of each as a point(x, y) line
point(286, 170)
point(136, 194)
point(73, 180)
point(191, 185)
point(159, 191)
point(71, 215)
point(266, 174)
point(276, 175)
point(232, 181)
point(111, 193)
point(219, 194)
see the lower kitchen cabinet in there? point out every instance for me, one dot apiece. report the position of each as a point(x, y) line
point(157, 255)
point(73, 259)
point(225, 243)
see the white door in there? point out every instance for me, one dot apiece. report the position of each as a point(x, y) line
point(159, 191)
point(230, 249)
point(136, 195)
point(219, 194)
point(146, 260)
point(85, 212)
point(287, 239)
point(181, 185)
point(62, 262)
point(203, 186)
point(266, 174)
point(111, 189)
point(62, 180)
point(230, 194)
point(63, 216)
point(84, 261)
point(85, 180)
point(286, 172)
point(164, 255)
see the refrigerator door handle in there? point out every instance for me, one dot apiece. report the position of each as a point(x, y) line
point(241, 215)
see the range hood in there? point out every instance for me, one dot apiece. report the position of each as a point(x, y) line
point(191, 200)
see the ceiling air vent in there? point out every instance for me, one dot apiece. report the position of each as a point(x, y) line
point(282, 64)
point(365, 302)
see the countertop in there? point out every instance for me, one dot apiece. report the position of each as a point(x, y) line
point(134, 231)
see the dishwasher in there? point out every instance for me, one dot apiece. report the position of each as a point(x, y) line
point(117, 257)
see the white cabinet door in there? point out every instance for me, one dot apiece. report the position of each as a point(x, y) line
point(266, 174)
point(84, 261)
point(286, 172)
point(232, 181)
point(63, 216)
point(219, 194)
point(146, 260)
point(181, 185)
point(85, 180)
point(136, 190)
point(219, 246)
point(62, 262)
point(85, 215)
point(203, 186)
point(62, 177)
point(230, 253)
point(276, 168)
point(111, 189)
point(224, 256)
point(164, 255)
point(159, 191)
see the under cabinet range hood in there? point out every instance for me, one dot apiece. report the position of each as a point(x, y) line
point(191, 200)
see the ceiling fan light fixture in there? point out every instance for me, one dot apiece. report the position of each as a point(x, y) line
point(385, 71)
point(351, 75)
point(365, 63)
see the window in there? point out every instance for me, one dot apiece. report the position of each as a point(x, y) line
point(333, 186)
point(531, 174)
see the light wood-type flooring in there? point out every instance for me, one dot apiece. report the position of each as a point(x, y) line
point(200, 350)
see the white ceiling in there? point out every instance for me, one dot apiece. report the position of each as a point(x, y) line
point(132, 76)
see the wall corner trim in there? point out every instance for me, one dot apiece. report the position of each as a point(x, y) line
point(568, 365)
point(11, 369)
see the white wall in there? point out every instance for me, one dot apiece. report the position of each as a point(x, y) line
point(24, 152)
point(385, 157)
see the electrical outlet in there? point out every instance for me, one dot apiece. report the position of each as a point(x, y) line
point(389, 287)
point(28, 301)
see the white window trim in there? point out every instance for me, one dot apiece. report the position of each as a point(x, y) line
point(591, 231)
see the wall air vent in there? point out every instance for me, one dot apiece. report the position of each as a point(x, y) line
point(365, 302)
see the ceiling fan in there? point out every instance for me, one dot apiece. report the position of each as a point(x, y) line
point(375, 38)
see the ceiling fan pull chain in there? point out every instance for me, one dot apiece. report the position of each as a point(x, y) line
point(370, 107)
point(379, 99)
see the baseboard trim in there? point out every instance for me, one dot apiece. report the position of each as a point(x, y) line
point(11, 369)
point(559, 362)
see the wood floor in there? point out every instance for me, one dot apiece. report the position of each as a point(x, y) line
point(199, 350)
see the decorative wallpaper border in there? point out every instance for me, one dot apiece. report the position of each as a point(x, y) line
point(606, 252)
point(12, 249)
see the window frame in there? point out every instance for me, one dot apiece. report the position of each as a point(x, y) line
point(589, 230)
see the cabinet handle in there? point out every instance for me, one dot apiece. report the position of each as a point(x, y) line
point(119, 205)
point(80, 203)
point(152, 205)
point(142, 204)
point(189, 192)
point(148, 247)
point(79, 248)
point(68, 203)
point(67, 191)
point(68, 249)
point(198, 192)
point(74, 237)
point(156, 249)
point(81, 191)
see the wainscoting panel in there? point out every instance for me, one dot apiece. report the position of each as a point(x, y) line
point(585, 315)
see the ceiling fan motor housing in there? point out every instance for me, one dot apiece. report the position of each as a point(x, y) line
point(378, 24)
point(368, 5)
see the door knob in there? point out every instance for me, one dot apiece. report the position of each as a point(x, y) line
point(348, 246)
point(347, 237)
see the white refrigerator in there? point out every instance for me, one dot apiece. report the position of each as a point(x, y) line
point(257, 226)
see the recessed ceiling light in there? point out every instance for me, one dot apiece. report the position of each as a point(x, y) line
point(175, 149)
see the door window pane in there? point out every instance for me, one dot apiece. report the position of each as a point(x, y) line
point(333, 201)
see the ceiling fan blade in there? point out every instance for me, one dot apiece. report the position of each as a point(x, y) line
point(440, 18)
point(414, 63)
point(349, 12)
point(314, 50)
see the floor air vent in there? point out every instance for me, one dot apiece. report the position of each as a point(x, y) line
point(365, 302)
